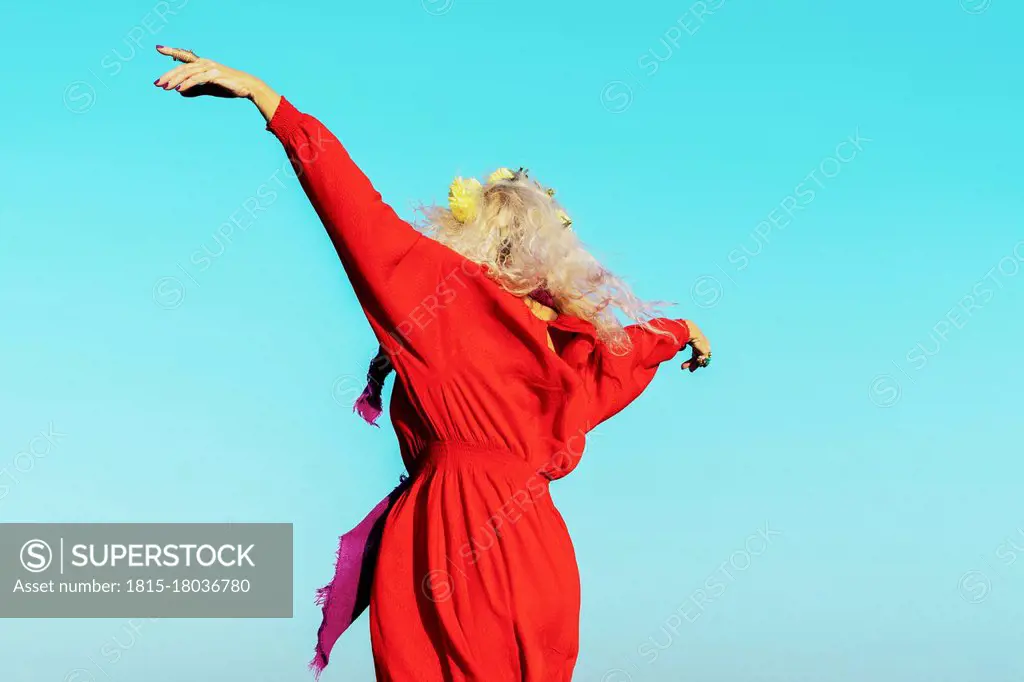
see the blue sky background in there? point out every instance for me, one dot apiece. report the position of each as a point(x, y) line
point(859, 407)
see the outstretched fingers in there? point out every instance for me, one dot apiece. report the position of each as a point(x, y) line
point(197, 76)
point(208, 75)
point(175, 76)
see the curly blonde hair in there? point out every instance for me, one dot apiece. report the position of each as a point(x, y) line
point(515, 227)
point(524, 237)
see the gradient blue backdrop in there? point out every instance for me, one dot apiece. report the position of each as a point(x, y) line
point(859, 407)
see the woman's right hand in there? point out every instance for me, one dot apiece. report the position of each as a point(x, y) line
point(198, 76)
point(701, 348)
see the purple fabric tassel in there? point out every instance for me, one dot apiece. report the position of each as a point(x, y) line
point(368, 405)
point(348, 594)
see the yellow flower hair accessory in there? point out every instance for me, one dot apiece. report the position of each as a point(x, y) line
point(500, 174)
point(465, 194)
point(464, 197)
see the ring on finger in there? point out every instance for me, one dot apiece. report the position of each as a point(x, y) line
point(179, 59)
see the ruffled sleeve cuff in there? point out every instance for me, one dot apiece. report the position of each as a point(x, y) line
point(678, 328)
point(660, 347)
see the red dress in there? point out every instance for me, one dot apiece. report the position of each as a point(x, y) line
point(476, 578)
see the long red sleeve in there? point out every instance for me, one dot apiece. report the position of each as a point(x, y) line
point(395, 270)
point(615, 381)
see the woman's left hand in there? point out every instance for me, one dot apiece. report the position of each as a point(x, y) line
point(197, 76)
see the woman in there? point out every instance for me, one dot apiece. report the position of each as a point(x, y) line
point(500, 329)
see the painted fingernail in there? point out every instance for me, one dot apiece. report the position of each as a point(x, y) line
point(156, 81)
point(177, 87)
point(159, 46)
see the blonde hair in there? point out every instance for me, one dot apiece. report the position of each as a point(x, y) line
point(520, 232)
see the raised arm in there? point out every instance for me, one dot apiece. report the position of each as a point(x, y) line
point(371, 240)
point(614, 381)
point(395, 270)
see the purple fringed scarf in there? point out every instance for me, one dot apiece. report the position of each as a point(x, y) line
point(368, 404)
point(544, 297)
point(348, 593)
